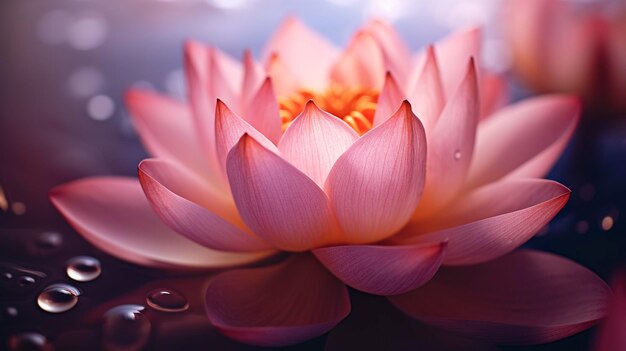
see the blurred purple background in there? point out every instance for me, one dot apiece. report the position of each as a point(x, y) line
point(64, 66)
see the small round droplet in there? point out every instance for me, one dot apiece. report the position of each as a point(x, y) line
point(45, 243)
point(58, 298)
point(26, 281)
point(30, 342)
point(83, 268)
point(125, 327)
point(167, 300)
point(457, 155)
point(6, 276)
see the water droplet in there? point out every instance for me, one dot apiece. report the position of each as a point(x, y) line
point(457, 155)
point(30, 342)
point(26, 281)
point(167, 300)
point(6, 276)
point(58, 298)
point(126, 327)
point(83, 268)
point(11, 312)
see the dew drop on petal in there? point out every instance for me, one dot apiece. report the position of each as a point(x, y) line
point(29, 341)
point(83, 268)
point(167, 300)
point(58, 298)
point(126, 327)
point(457, 154)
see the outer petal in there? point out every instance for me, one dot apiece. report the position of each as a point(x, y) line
point(113, 214)
point(452, 52)
point(262, 112)
point(427, 97)
point(390, 99)
point(523, 139)
point(375, 186)
point(184, 204)
point(450, 146)
point(307, 54)
point(527, 297)
point(361, 65)
point(166, 128)
point(611, 334)
point(490, 221)
point(382, 270)
point(253, 77)
point(228, 130)
point(278, 305)
point(277, 201)
point(617, 53)
point(314, 141)
point(206, 73)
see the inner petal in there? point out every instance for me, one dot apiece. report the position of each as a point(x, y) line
point(356, 105)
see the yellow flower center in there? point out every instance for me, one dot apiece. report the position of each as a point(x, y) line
point(355, 106)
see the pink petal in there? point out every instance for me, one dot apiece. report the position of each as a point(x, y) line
point(450, 146)
point(113, 214)
point(207, 81)
point(278, 305)
point(382, 270)
point(253, 76)
point(427, 97)
point(262, 112)
point(314, 141)
point(278, 202)
point(611, 335)
point(166, 128)
point(490, 221)
point(307, 54)
point(524, 139)
point(494, 94)
point(453, 52)
point(527, 297)
point(284, 80)
point(185, 204)
point(376, 184)
point(389, 101)
point(228, 130)
point(396, 54)
point(362, 64)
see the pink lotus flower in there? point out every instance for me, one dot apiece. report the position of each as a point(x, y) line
point(560, 47)
point(340, 165)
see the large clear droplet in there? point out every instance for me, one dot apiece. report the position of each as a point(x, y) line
point(30, 342)
point(58, 298)
point(125, 327)
point(83, 268)
point(167, 300)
